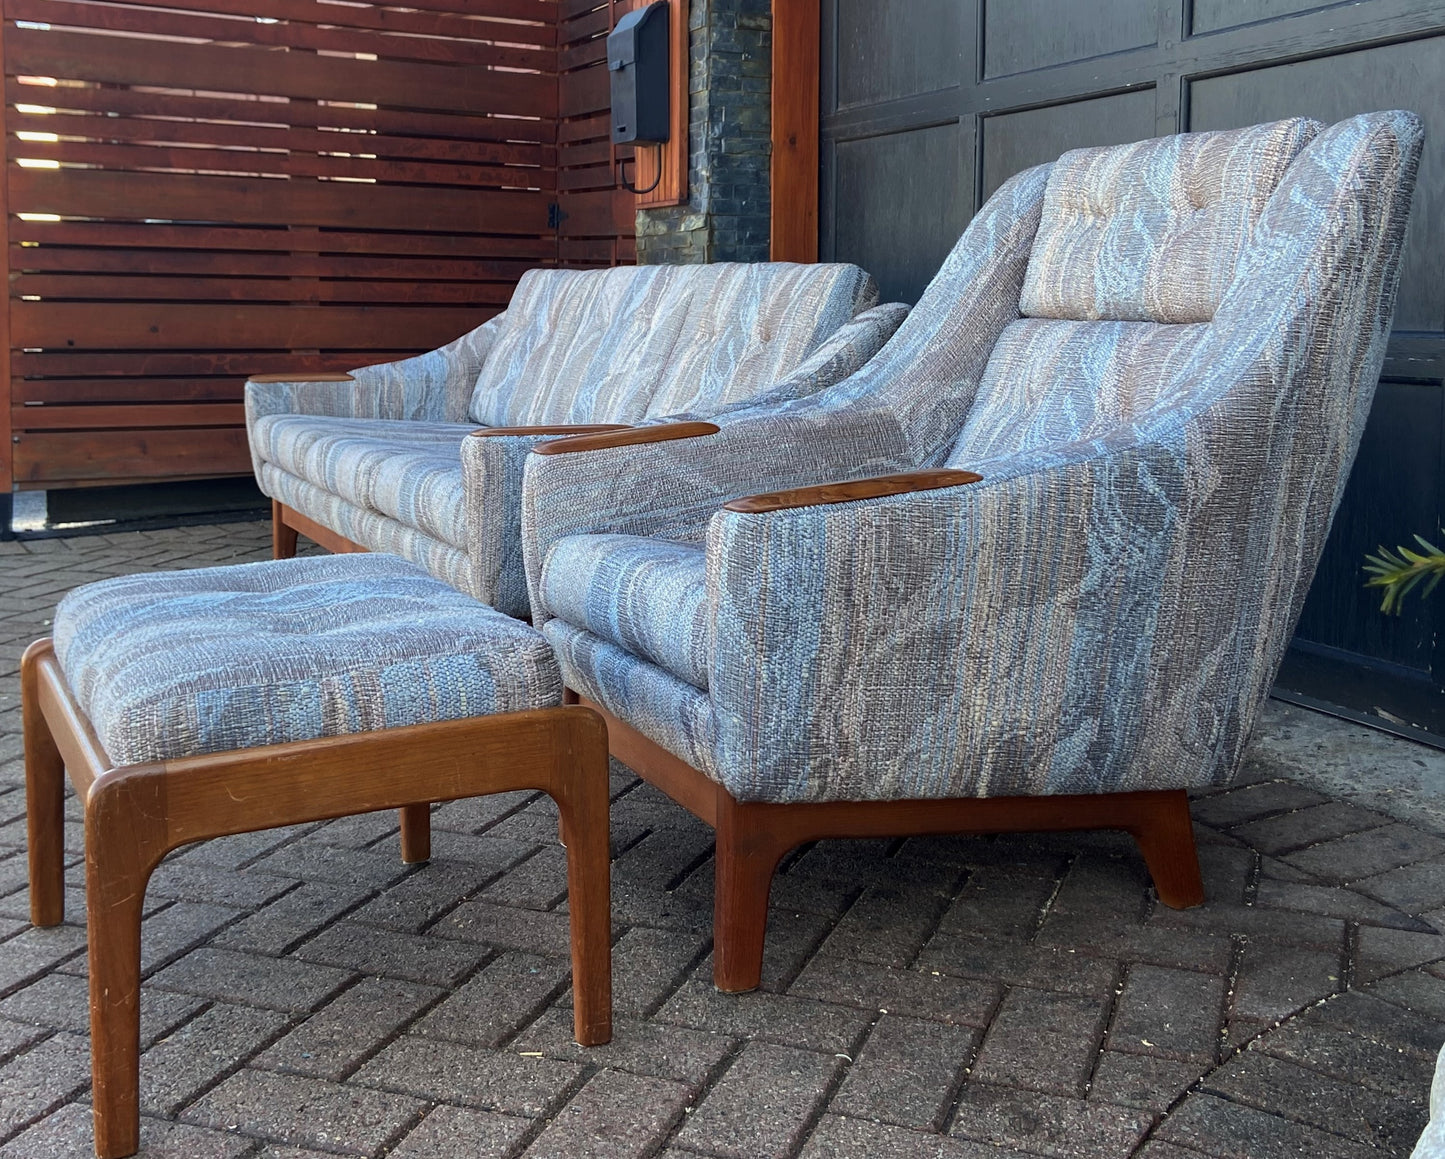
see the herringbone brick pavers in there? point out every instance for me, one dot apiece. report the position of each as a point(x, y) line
point(307, 994)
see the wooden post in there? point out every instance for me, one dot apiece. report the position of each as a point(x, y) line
point(796, 54)
point(7, 447)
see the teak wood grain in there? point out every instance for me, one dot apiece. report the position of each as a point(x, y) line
point(135, 815)
point(631, 437)
point(795, 131)
point(314, 376)
point(821, 494)
point(286, 522)
point(752, 837)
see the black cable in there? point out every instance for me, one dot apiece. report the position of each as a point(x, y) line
point(627, 185)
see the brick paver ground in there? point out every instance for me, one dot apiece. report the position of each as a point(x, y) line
point(951, 998)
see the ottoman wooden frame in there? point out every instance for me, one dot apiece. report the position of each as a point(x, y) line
point(136, 814)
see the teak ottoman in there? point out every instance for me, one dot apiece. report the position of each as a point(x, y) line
point(194, 704)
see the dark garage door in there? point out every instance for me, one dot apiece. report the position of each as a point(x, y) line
point(929, 105)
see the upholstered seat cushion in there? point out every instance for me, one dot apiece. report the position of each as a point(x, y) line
point(181, 663)
point(647, 596)
point(410, 471)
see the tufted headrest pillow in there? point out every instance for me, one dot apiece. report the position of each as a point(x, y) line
point(1151, 232)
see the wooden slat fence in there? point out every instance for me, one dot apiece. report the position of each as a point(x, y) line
point(597, 218)
point(198, 190)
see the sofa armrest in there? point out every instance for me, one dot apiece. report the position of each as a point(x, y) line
point(980, 640)
point(846, 351)
point(629, 437)
point(672, 484)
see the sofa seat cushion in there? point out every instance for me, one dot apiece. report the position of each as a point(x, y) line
point(637, 342)
point(646, 596)
point(410, 471)
point(663, 708)
point(175, 664)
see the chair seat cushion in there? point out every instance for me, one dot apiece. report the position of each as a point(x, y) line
point(175, 664)
point(646, 596)
point(410, 471)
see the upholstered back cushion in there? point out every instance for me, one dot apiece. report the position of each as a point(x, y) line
point(637, 342)
point(1054, 381)
point(1135, 249)
point(1151, 232)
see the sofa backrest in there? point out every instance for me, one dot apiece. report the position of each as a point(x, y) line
point(636, 342)
point(1136, 247)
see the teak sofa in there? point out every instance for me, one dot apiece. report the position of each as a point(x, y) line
point(1105, 450)
point(381, 459)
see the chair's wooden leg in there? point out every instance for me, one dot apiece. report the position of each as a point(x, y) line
point(415, 832)
point(124, 840)
point(582, 802)
point(1165, 836)
point(283, 537)
point(44, 802)
point(748, 851)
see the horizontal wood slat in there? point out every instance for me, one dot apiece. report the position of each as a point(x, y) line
point(274, 112)
point(131, 326)
point(55, 418)
point(63, 458)
point(98, 237)
point(127, 391)
point(80, 56)
point(236, 22)
point(218, 188)
point(202, 198)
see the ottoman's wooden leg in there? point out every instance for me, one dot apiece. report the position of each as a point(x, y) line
point(124, 840)
point(283, 536)
point(44, 799)
point(415, 832)
point(580, 790)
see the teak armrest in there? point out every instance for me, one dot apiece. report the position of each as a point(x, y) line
point(315, 376)
point(552, 429)
point(631, 437)
point(824, 493)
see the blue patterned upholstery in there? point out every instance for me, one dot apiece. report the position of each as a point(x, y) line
point(386, 461)
point(410, 472)
point(670, 711)
point(1161, 459)
point(1152, 232)
point(176, 664)
point(648, 596)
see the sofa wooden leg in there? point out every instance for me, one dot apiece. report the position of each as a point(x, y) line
point(581, 791)
point(283, 536)
point(123, 844)
point(748, 853)
point(1164, 833)
point(415, 833)
point(44, 802)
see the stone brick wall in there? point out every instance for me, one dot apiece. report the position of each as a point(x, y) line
point(729, 130)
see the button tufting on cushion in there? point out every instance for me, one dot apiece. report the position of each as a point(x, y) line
point(1151, 232)
point(181, 663)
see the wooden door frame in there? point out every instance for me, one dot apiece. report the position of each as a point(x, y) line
point(795, 120)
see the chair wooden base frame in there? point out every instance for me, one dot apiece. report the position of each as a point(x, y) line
point(752, 837)
point(287, 523)
point(136, 814)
